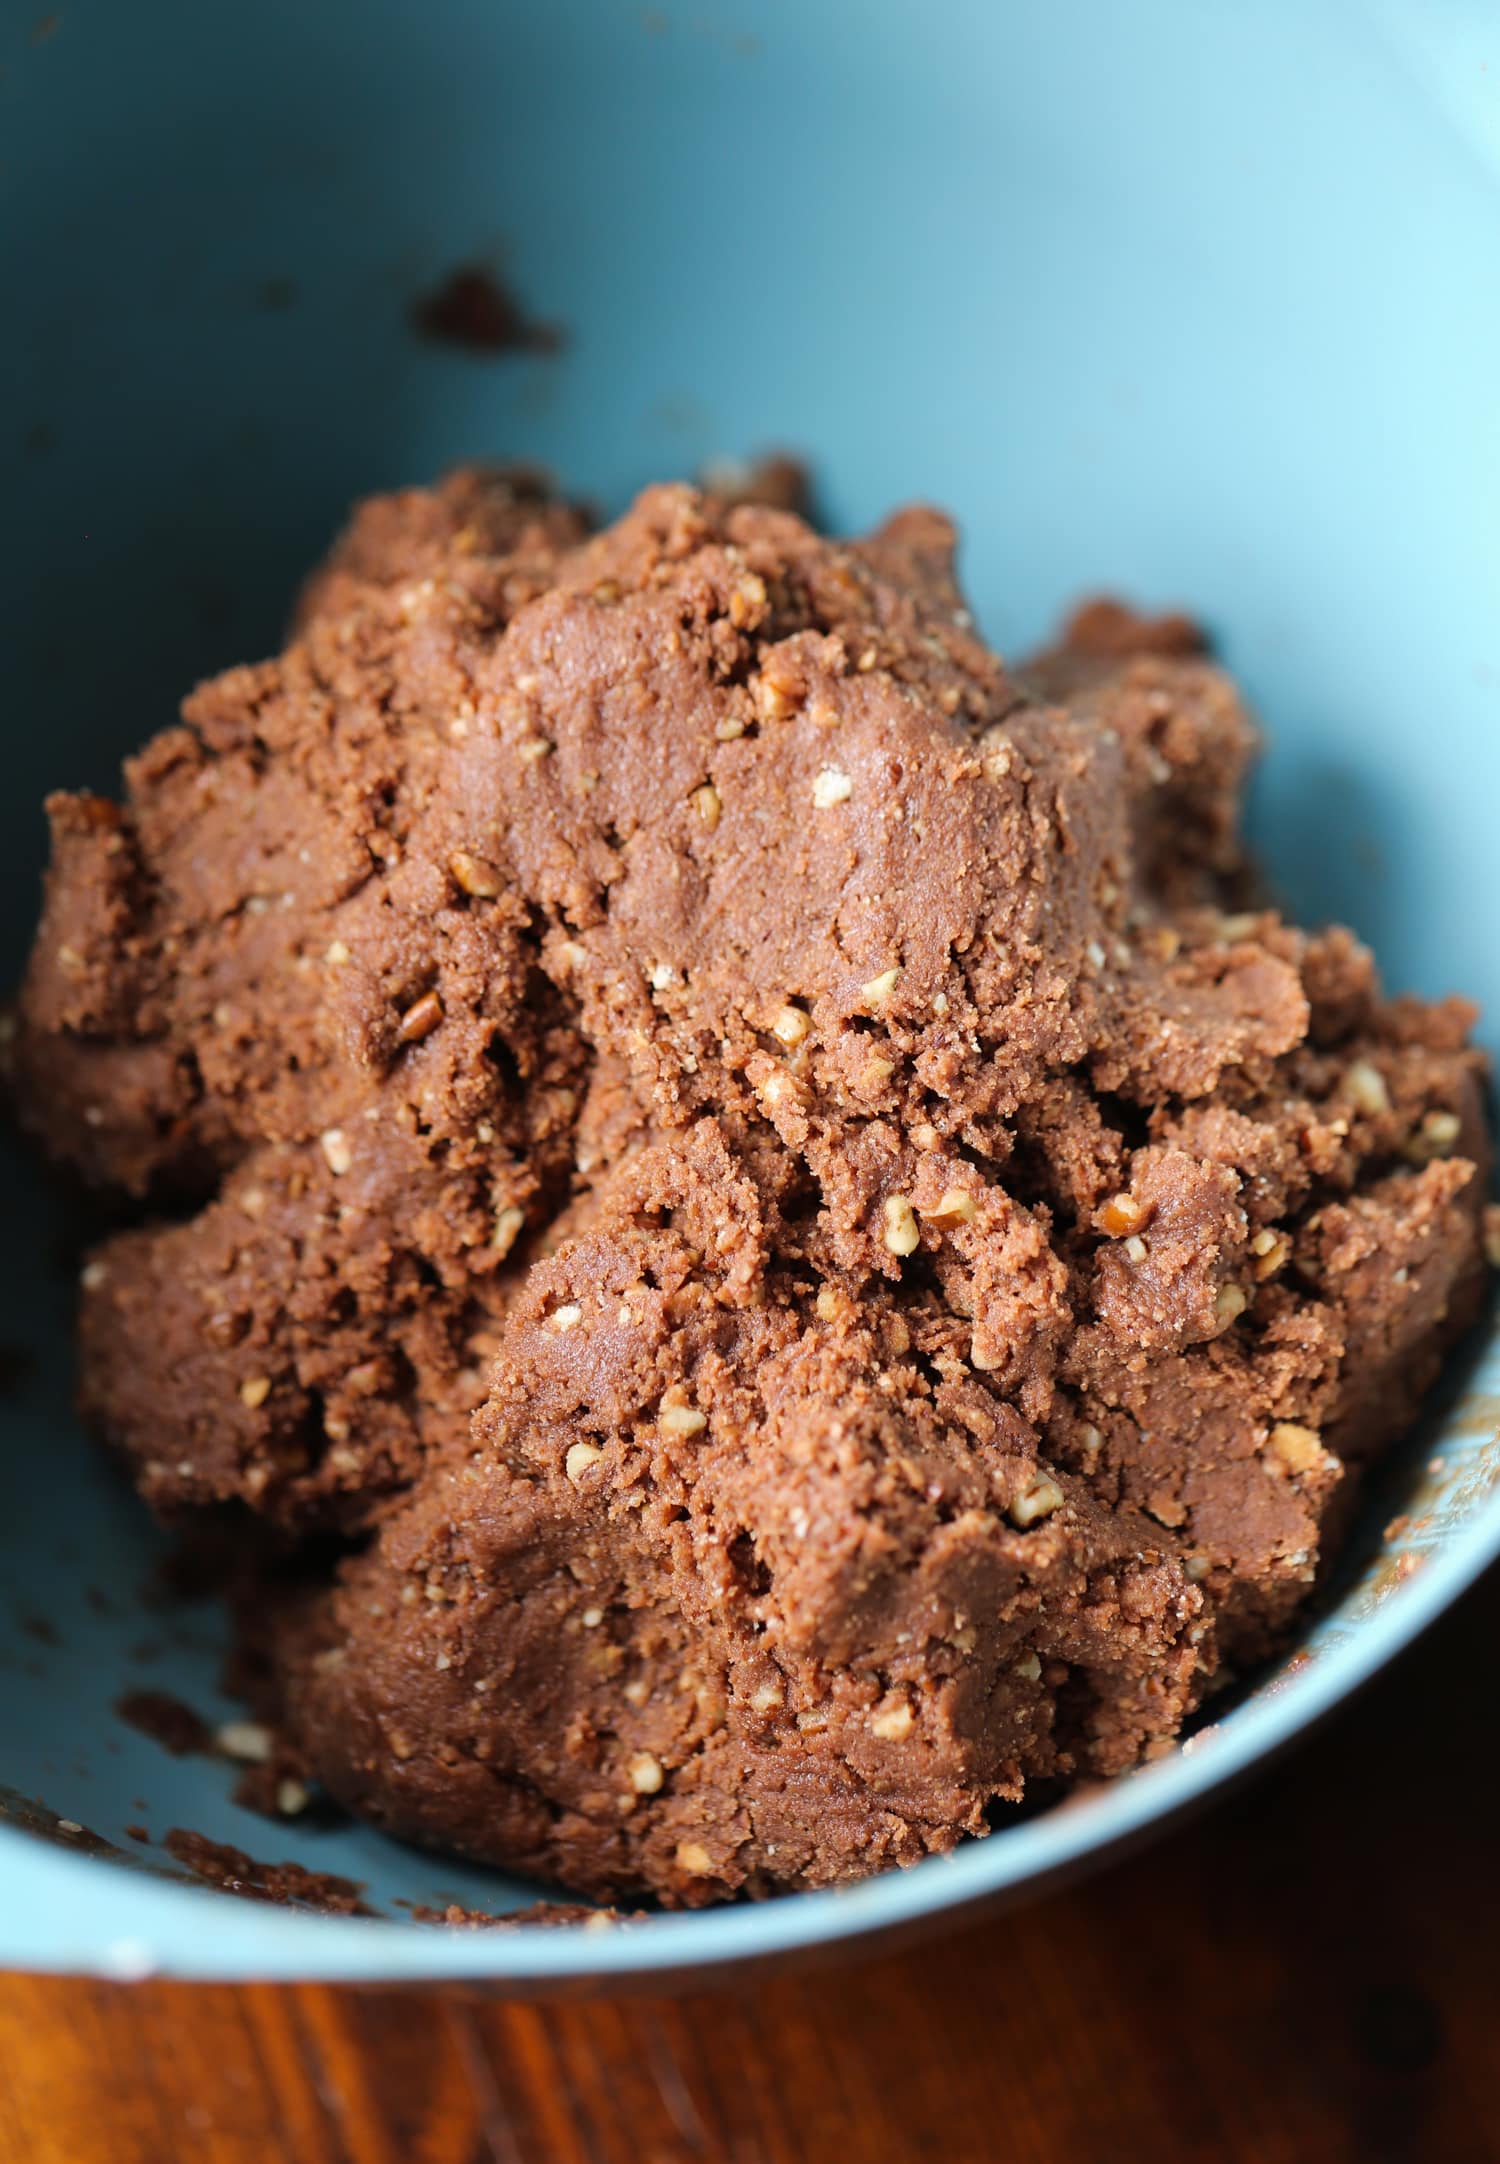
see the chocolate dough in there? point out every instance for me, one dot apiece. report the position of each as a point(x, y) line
point(756, 1162)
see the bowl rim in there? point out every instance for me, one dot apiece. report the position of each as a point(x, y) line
point(74, 1912)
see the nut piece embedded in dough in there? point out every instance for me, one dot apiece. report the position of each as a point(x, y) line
point(1122, 1215)
point(336, 1151)
point(681, 1420)
point(1230, 1302)
point(831, 787)
point(509, 1225)
point(792, 1025)
point(1038, 1499)
point(476, 876)
point(1435, 1137)
point(247, 1741)
point(895, 1723)
point(708, 804)
point(954, 1207)
point(1300, 1449)
point(645, 1771)
point(901, 1234)
point(420, 1019)
point(1365, 1086)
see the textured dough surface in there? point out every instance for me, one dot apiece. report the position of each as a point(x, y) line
point(751, 1166)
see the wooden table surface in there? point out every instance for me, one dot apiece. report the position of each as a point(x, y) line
point(1309, 1972)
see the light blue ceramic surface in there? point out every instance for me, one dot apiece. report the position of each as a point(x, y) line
point(1194, 299)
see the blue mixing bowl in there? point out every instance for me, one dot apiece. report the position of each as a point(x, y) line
point(1195, 302)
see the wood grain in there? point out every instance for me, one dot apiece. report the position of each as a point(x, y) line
point(1305, 1975)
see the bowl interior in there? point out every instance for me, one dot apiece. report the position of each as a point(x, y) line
point(1178, 301)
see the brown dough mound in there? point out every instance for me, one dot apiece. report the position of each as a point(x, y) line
point(235, 998)
point(930, 1273)
point(740, 1596)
